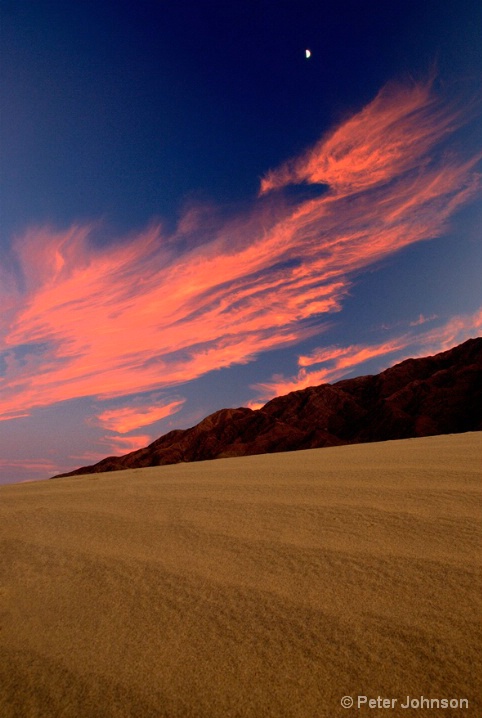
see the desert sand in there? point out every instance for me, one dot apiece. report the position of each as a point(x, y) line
point(261, 586)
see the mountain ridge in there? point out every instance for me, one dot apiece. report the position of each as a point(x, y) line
point(439, 394)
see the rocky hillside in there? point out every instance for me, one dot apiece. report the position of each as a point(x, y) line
point(441, 394)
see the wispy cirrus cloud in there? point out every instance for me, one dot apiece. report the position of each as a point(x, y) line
point(111, 445)
point(153, 311)
point(383, 141)
point(129, 418)
point(121, 444)
point(421, 319)
point(341, 361)
point(19, 470)
point(27, 464)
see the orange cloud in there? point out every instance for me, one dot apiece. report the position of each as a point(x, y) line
point(383, 141)
point(343, 360)
point(27, 464)
point(12, 414)
point(458, 329)
point(352, 355)
point(129, 418)
point(153, 311)
point(120, 445)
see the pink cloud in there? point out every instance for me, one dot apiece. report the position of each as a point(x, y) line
point(24, 470)
point(91, 457)
point(120, 445)
point(12, 414)
point(153, 311)
point(352, 355)
point(129, 418)
point(456, 330)
point(343, 360)
point(27, 465)
point(377, 144)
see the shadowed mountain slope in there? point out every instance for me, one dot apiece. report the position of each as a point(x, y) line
point(440, 394)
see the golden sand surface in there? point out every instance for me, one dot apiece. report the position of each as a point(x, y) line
point(263, 586)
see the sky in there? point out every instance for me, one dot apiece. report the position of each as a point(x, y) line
point(196, 215)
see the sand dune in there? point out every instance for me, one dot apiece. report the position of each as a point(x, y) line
point(267, 585)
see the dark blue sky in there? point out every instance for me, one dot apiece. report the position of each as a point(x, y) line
point(127, 110)
point(121, 119)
